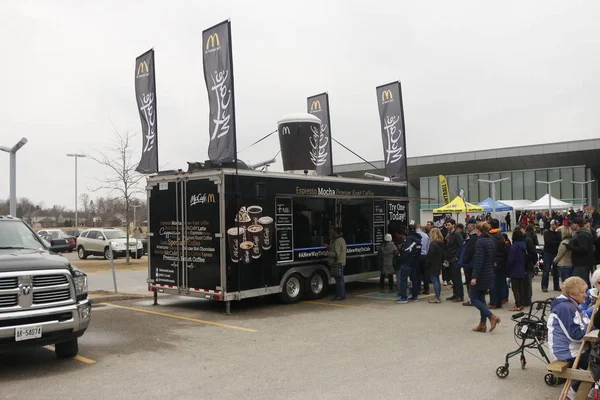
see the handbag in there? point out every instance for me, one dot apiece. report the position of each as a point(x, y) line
point(335, 270)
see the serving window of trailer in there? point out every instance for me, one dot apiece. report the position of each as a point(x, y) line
point(315, 218)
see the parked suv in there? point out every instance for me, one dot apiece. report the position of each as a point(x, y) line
point(43, 298)
point(95, 242)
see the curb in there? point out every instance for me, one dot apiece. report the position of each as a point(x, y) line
point(95, 299)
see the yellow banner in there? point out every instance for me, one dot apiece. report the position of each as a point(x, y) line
point(444, 189)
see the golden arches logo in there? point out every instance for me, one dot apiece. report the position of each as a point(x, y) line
point(211, 198)
point(386, 95)
point(212, 41)
point(315, 105)
point(142, 68)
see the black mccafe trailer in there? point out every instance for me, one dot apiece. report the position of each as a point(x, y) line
point(207, 242)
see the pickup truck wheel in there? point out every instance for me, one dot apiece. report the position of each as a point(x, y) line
point(139, 254)
point(293, 288)
point(316, 285)
point(81, 253)
point(66, 349)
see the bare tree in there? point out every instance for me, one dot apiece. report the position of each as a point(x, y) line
point(84, 199)
point(122, 179)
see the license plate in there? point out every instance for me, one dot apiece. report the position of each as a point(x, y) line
point(28, 332)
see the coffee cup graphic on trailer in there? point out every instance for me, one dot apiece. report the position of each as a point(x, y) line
point(246, 251)
point(267, 223)
point(255, 212)
point(235, 237)
point(255, 235)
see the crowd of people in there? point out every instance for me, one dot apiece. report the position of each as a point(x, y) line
point(425, 258)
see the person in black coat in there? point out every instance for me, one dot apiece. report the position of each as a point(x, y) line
point(532, 259)
point(483, 276)
point(435, 258)
point(467, 263)
point(582, 247)
point(455, 241)
point(552, 239)
point(499, 292)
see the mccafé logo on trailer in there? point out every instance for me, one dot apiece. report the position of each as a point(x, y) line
point(387, 96)
point(213, 43)
point(316, 106)
point(142, 70)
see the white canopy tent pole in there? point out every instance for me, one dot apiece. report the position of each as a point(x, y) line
point(550, 193)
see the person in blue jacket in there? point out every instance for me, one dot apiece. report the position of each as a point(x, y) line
point(483, 276)
point(409, 266)
point(567, 324)
point(592, 295)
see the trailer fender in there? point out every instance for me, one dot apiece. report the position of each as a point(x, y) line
point(306, 271)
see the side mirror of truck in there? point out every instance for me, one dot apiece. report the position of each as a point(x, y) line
point(54, 249)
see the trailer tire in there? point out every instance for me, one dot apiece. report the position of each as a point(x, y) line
point(293, 288)
point(316, 285)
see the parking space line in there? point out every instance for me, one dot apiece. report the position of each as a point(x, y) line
point(335, 305)
point(79, 358)
point(366, 296)
point(200, 321)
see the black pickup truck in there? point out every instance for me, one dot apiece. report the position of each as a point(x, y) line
point(43, 298)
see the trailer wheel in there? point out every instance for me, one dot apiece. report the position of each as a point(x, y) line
point(293, 288)
point(316, 285)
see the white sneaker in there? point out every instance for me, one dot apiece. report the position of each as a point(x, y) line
point(571, 394)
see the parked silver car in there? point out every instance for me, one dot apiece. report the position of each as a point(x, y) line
point(96, 242)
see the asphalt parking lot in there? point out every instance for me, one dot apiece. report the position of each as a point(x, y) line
point(364, 347)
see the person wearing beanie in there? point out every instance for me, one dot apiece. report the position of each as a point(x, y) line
point(455, 241)
point(423, 274)
point(483, 276)
point(385, 258)
point(582, 248)
point(499, 292)
point(409, 266)
point(552, 239)
point(467, 253)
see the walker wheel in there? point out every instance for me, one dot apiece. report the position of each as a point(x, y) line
point(502, 371)
point(523, 362)
point(551, 380)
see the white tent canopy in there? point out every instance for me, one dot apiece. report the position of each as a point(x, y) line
point(545, 201)
point(517, 204)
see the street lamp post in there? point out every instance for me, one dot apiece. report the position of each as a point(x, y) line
point(13, 173)
point(550, 193)
point(493, 190)
point(582, 191)
point(76, 156)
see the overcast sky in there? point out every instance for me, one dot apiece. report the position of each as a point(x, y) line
point(475, 75)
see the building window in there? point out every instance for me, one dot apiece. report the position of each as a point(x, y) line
point(425, 191)
point(541, 188)
point(506, 186)
point(529, 185)
point(473, 189)
point(566, 187)
point(484, 187)
point(517, 185)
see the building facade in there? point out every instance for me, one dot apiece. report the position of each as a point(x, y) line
point(575, 161)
